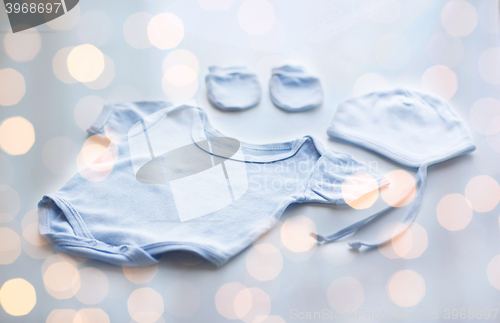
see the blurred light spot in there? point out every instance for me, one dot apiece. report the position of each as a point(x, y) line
point(269, 319)
point(106, 77)
point(4, 217)
point(401, 184)
point(182, 299)
point(256, 17)
point(189, 259)
point(484, 116)
point(17, 297)
point(10, 202)
point(10, 246)
point(483, 192)
point(66, 21)
point(85, 63)
point(225, 299)
point(60, 66)
point(215, 4)
point(408, 241)
point(33, 243)
point(32, 234)
point(445, 49)
point(270, 42)
point(489, 65)
point(386, 231)
point(488, 16)
point(91, 315)
point(295, 233)
point(393, 51)
point(345, 294)
point(252, 303)
point(181, 57)
point(337, 254)
point(61, 316)
point(135, 30)
point(454, 212)
point(406, 288)
point(459, 18)
point(180, 83)
point(94, 286)
point(494, 140)
point(140, 275)
point(382, 11)
point(165, 30)
point(17, 135)
point(97, 158)
point(95, 27)
point(440, 80)
point(145, 305)
point(62, 279)
point(360, 190)
point(493, 272)
point(12, 86)
point(87, 110)
point(264, 262)
point(370, 82)
point(23, 46)
point(6, 171)
point(125, 93)
point(59, 155)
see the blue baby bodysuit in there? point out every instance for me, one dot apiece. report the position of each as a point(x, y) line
point(169, 181)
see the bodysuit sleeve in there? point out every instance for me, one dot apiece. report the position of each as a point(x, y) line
point(337, 178)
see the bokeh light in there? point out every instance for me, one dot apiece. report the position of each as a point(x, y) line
point(94, 286)
point(33, 243)
point(252, 304)
point(180, 83)
point(181, 57)
point(488, 16)
point(17, 135)
point(406, 288)
point(17, 297)
point(225, 299)
point(61, 278)
point(484, 114)
point(296, 233)
point(97, 158)
point(95, 27)
point(440, 80)
point(454, 212)
point(59, 155)
point(215, 4)
point(459, 18)
point(61, 316)
point(91, 315)
point(489, 65)
point(256, 17)
point(12, 86)
point(10, 246)
point(493, 272)
point(264, 261)
point(10, 202)
point(85, 63)
point(380, 11)
point(393, 51)
point(23, 46)
point(483, 192)
point(409, 241)
point(145, 305)
point(401, 184)
point(141, 275)
point(345, 294)
point(135, 30)
point(181, 299)
point(106, 77)
point(370, 82)
point(360, 190)
point(60, 66)
point(445, 49)
point(165, 30)
point(87, 110)
point(66, 21)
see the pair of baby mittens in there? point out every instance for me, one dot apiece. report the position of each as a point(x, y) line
point(237, 88)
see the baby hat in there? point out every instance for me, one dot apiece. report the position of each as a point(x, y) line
point(293, 89)
point(233, 88)
point(411, 128)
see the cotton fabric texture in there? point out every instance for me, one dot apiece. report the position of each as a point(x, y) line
point(174, 183)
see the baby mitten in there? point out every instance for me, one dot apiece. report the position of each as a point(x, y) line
point(293, 89)
point(233, 88)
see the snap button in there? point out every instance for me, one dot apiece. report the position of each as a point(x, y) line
point(123, 248)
